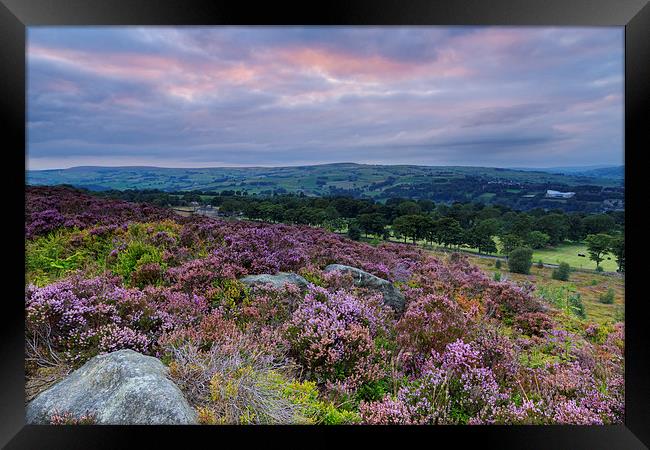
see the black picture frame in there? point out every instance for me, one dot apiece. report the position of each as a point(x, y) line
point(634, 15)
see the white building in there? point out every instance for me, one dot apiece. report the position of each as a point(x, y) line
point(558, 194)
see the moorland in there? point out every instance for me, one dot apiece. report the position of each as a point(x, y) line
point(367, 331)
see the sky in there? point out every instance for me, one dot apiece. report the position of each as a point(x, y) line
point(285, 96)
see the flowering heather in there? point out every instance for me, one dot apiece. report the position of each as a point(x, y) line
point(48, 208)
point(331, 335)
point(103, 275)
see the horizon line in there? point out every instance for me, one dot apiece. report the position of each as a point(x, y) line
point(529, 168)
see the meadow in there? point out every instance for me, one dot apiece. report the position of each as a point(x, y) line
point(567, 252)
point(590, 286)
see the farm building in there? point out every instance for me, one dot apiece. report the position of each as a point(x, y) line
point(558, 194)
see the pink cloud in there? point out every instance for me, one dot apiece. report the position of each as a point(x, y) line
point(338, 64)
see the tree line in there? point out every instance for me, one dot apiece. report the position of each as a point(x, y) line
point(473, 225)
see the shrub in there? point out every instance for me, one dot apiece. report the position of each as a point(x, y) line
point(134, 256)
point(454, 388)
point(497, 264)
point(228, 293)
point(534, 324)
point(607, 297)
point(466, 350)
point(372, 391)
point(599, 268)
point(540, 264)
point(520, 260)
point(147, 274)
point(78, 318)
point(230, 385)
point(497, 276)
point(562, 272)
point(354, 232)
point(576, 306)
point(305, 394)
point(430, 323)
point(505, 301)
point(331, 336)
point(564, 298)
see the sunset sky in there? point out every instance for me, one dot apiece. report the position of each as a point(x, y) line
point(275, 96)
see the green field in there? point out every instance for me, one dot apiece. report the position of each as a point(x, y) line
point(568, 253)
point(563, 253)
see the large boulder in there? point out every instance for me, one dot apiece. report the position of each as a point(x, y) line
point(277, 281)
point(120, 388)
point(392, 296)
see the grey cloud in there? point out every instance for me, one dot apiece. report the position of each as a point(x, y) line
point(538, 83)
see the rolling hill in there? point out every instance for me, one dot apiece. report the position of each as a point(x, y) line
point(521, 188)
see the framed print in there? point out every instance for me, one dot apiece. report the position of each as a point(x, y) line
point(361, 222)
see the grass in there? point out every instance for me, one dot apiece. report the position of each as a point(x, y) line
point(589, 285)
point(568, 253)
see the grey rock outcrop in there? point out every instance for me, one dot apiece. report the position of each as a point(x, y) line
point(122, 387)
point(277, 281)
point(392, 296)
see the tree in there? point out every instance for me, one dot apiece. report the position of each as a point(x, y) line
point(509, 242)
point(412, 226)
point(332, 213)
point(598, 245)
point(556, 226)
point(480, 236)
point(537, 239)
point(576, 230)
point(617, 248)
point(230, 206)
point(598, 223)
point(372, 223)
point(408, 207)
point(520, 260)
point(354, 232)
point(489, 212)
point(521, 225)
point(447, 231)
point(426, 205)
point(274, 212)
point(401, 227)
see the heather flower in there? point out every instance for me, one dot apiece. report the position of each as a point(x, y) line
point(430, 323)
point(331, 335)
point(466, 350)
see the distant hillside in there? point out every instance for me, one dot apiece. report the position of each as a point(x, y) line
point(610, 172)
point(519, 188)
